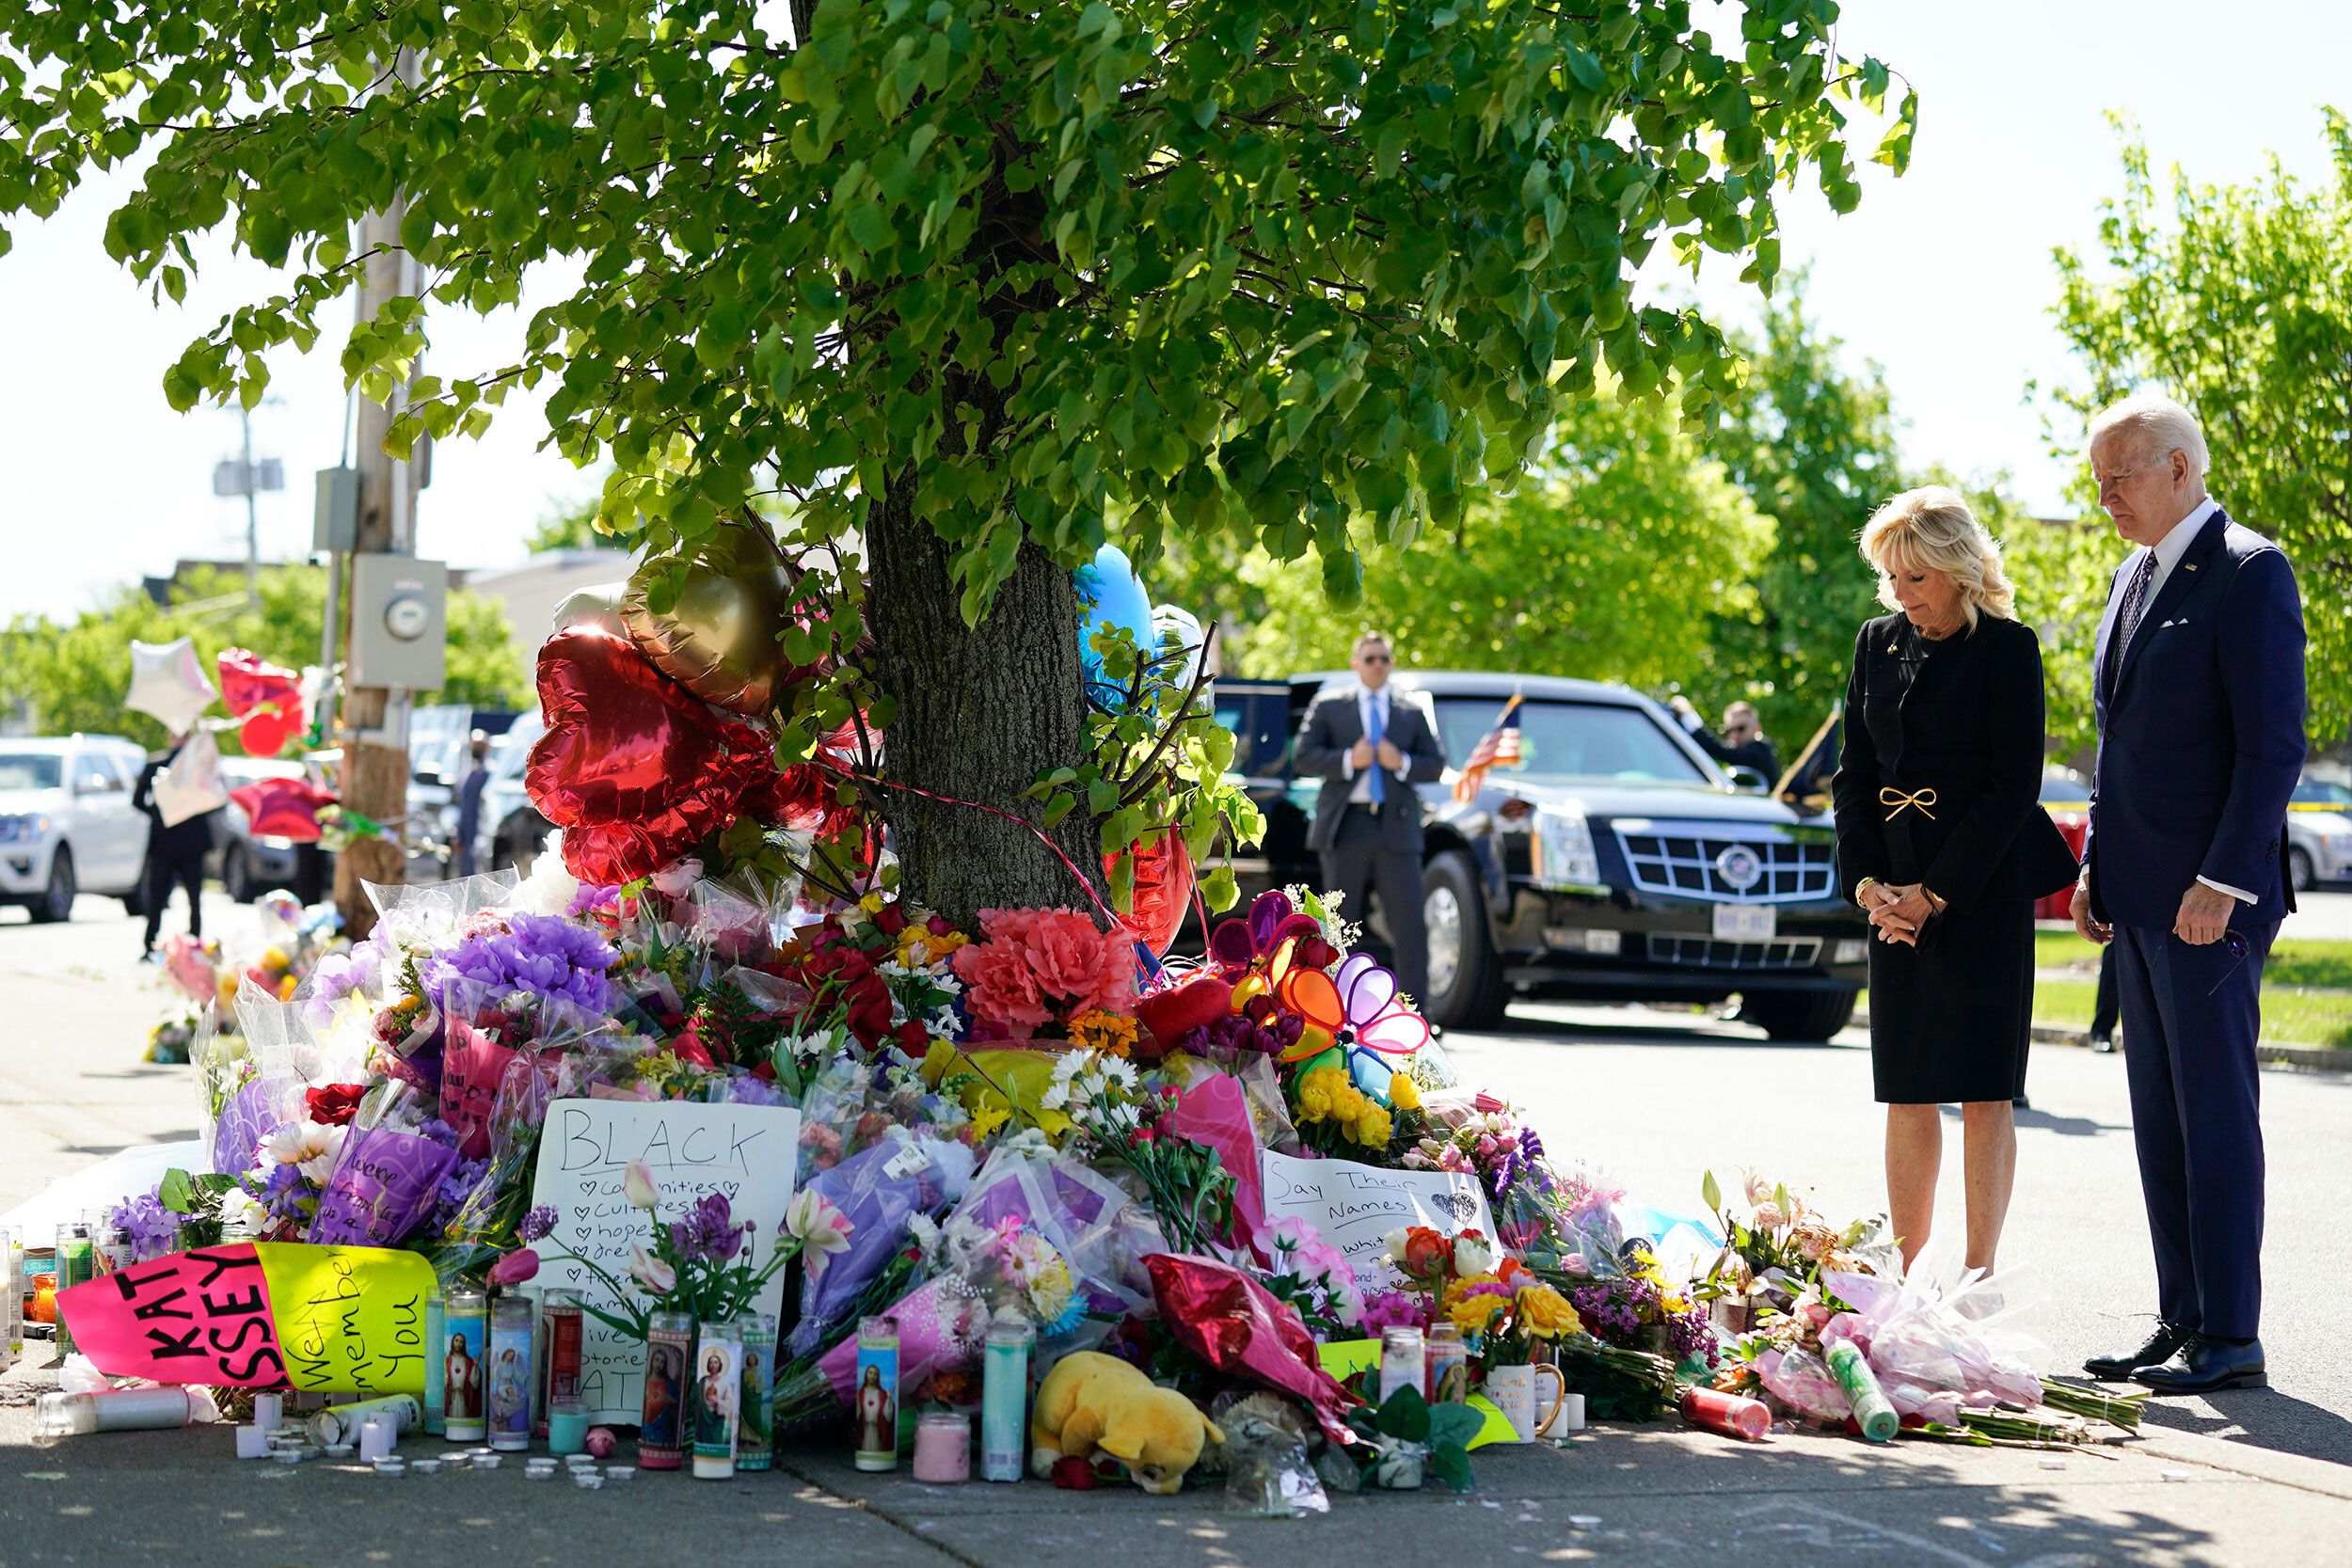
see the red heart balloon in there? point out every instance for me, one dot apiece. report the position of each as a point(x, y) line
point(633, 767)
point(264, 733)
point(248, 680)
point(1168, 1015)
point(1162, 883)
point(282, 808)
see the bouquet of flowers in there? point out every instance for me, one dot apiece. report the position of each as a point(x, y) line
point(1120, 1120)
point(1314, 1278)
point(1776, 1246)
point(700, 1262)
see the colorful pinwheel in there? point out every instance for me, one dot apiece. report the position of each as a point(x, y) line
point(1356, 1011)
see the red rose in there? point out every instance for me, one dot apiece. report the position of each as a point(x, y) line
point(912, 1039)
point(334, 1105)
point(890, 921)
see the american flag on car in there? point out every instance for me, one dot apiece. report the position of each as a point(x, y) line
point(1497, 748)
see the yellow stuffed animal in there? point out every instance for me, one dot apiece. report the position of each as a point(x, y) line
point(1092, 1402)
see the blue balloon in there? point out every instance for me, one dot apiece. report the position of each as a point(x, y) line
point(1111, 595)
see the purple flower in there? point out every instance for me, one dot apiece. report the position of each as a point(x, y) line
point(456, 1188)
point(148, 1226)
point(539, 954)
point(744, 1089)
point(537, 1223)
point(709, 1230)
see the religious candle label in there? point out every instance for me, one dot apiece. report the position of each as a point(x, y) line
point(1356, 1208)
point(748, 1153)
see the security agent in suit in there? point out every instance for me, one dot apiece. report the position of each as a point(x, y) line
point(2199, 690)
point(1371, 747)
point(1743, 744)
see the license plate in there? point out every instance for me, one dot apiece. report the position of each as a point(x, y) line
point(1745, 923)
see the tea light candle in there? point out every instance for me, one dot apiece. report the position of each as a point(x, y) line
point(389, 1467)
point(942, 1448)
point(425, 1466)
point(336, 1450)
point(619, 1473)
point(287, 1456)
point(252, 1443)
point(540, 1469)
point(487, 1460)
point(588, 1481)
point(269, 1411)
point(375, 1439)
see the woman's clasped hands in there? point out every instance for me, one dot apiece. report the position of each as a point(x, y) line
point(1898, 909)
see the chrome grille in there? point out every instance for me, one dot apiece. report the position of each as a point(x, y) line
point(1708, 953)
point(1683, 857)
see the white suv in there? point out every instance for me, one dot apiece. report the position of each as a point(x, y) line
point(67, 824)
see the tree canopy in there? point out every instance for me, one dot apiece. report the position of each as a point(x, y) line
point(2240, 305)
point(1615, 560)
point(1013, 277)
point(71, 675)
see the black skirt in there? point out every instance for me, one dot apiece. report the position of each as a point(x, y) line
point(1951, 1019)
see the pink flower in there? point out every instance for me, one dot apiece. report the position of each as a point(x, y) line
point(649, 1271)
point(1032, 966)
point(638, 1187)
point(514, 1268)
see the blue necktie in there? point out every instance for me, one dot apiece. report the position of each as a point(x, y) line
point(1380, 774)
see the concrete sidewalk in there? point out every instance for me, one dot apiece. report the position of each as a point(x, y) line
point(1662, 1494)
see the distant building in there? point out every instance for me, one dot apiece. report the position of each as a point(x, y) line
point(529, 592)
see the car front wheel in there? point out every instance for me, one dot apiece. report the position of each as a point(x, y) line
point(1465, 975)
point(1811, 1016)
point(55, 902)
point(236, 878)
point(2299, 869)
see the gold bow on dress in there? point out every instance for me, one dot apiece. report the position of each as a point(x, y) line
point(1919, 800)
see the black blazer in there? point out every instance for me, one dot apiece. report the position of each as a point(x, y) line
point(1974, 741)
point(1333, 724)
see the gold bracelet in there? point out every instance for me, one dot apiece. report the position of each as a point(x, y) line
point(1863, 886)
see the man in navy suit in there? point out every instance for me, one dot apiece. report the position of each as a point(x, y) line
point(2199, 690)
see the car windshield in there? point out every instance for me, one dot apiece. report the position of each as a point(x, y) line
point(31, 770)
point(2318, 792)
point(1571, 740)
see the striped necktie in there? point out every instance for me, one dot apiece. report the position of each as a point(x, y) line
point(2127, 621)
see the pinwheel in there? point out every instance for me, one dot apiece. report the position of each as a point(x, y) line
point(1355, 1011)
point(1255, 953)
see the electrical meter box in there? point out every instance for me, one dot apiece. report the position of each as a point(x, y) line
point(398, 623)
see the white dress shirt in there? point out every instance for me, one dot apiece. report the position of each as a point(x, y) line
point(2168, 551)
point(1367, 700)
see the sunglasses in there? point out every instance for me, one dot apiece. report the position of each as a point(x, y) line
point(1375, 659)
point(2237, 946)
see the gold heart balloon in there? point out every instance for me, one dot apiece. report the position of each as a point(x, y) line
point(719, 639)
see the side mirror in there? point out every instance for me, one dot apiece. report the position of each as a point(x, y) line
point(1748, 780)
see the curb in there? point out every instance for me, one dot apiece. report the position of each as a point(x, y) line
point(2237, 1457)
point(2293, 1058)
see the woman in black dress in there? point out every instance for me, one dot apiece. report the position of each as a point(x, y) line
point(1941, 838)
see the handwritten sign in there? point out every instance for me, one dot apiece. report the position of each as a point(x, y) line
point(472, 1066)
point(1356, 1207)
point(266, 1315)
point(748, 1153)
point(349, 1318)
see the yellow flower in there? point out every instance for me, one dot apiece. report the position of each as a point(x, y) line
point(1674, 1302)
point(1107, 1033)
point(1373, 1128)
point(872, 903)
point(1546, 1313)
point(987, 1120)
point(1476, 1314)
point(1402, 1092)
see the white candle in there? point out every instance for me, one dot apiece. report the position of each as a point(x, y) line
point(252, 1443)
point(269, 1411)
point(1571, 1416)
point(375, 1438)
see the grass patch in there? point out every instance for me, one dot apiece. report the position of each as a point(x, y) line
point(2290, 1017)
point(2307, 962)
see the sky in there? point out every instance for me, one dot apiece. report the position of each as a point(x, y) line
point(1943, 278)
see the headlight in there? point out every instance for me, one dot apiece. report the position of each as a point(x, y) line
point(2340, 843)
point(1562, 851)
point(15, 830)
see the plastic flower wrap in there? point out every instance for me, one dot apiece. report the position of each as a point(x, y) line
point(881, 1190)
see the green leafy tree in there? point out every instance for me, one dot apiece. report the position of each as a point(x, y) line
point(1812, 442)
point(1612, 559)
point(2239, 306)
point(71, 675)
point(980, 283)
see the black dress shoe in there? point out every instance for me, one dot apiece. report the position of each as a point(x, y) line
point(2159, 1350)
point(2203, 1366)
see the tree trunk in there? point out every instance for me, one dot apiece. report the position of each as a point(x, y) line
point(982, 711)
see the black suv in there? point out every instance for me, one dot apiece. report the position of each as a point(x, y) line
point(1614, 861)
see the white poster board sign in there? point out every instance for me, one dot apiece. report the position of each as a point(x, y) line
point(748, 1153)
point(1356, 1207)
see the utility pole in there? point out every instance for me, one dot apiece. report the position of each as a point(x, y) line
point(375, 728)
point(241, 476)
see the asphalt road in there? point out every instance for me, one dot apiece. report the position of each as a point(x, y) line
point(1651, 1098)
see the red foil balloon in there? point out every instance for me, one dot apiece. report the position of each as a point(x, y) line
point(1168, 1015)
point(282, 808)
point(1231, 1322)
point(264, 733)
point(248, 680)
point(633, 767)
point(1163, 884)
